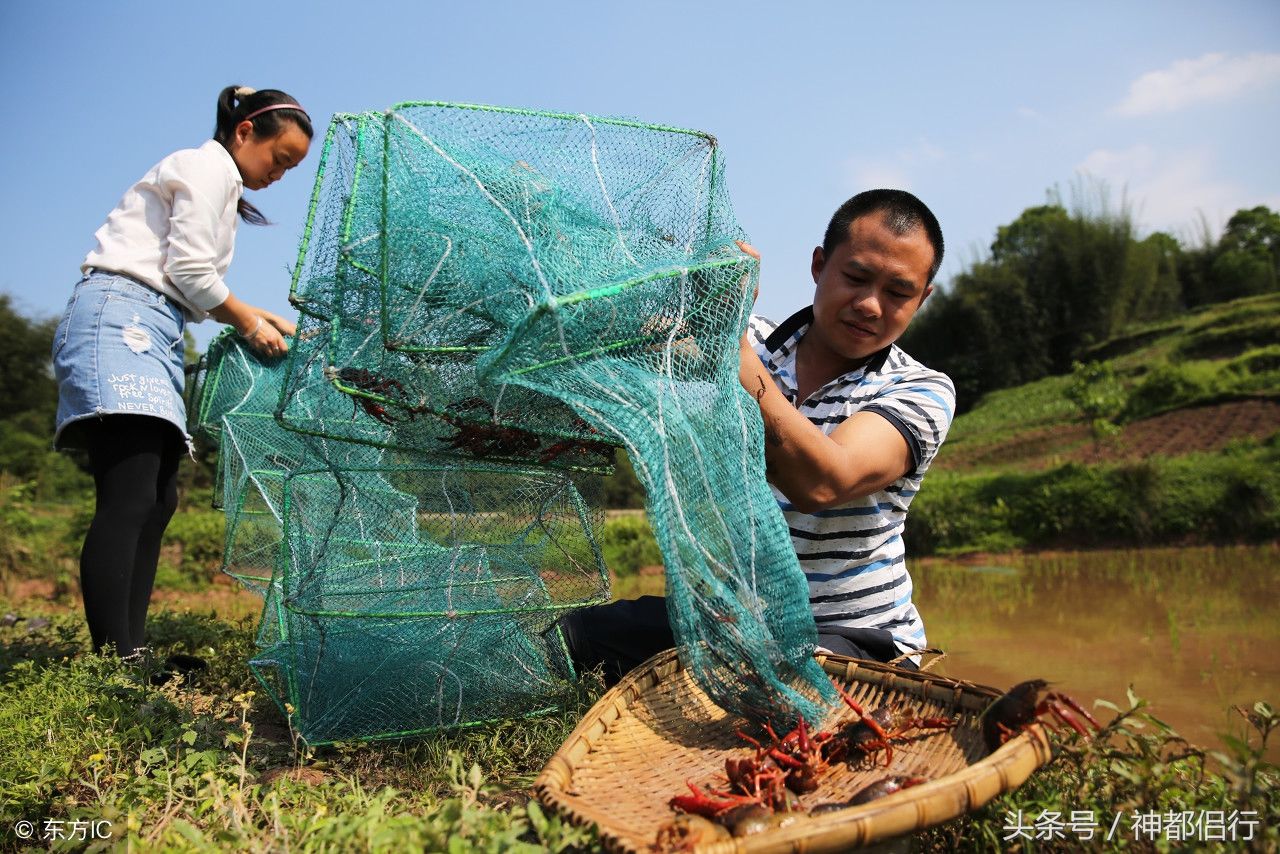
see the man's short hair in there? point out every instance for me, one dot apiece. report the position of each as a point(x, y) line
point(903, 213)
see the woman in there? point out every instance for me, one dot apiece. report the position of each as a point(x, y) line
point(159, 264)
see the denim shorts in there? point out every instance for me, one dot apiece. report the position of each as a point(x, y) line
point(118, 351)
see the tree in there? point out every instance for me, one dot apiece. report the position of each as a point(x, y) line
point(28, 404)
point(25, 364)
point(1247, 260)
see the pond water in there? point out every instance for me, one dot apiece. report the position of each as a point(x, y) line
point(1193, 630)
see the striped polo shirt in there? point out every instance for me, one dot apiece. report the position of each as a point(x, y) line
point(853, 554)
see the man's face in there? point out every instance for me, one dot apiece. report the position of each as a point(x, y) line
point(870, 288)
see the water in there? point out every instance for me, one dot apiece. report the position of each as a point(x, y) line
point(1192, 630)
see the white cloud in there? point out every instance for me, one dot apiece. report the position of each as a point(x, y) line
point(894, 173)
point(1169, 191)
point(1027, 113)
point(1212, 77)
point(867, 176)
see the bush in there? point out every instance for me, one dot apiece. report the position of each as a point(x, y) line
point(1171, 386)
point(949, 521)
point(201, 537)
point(1254, 371)
point(627, 543)
point(1220, 339)
point(1095, 390)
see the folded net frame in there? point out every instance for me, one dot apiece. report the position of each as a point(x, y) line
point(493, 301)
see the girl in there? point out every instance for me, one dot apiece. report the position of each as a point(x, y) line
point(118, 352)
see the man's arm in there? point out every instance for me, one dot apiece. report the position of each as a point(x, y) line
point(864, 454)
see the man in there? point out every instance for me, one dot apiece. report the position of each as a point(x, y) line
point(852, 424)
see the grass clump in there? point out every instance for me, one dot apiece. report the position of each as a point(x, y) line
point(1136, 786)
point(627, 543)
point(193, 548)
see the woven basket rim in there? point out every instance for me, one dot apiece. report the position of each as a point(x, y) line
point(907, 811)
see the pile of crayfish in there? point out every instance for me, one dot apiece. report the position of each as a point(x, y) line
point(761, 791)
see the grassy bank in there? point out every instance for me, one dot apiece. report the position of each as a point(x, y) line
point(212, 766)
point(1229, 496)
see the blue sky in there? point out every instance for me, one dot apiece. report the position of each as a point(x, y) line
point(979, 108)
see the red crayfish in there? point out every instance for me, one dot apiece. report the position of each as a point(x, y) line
point(876, 730)
point(767, 782)
point(481, 438)
point(370, 383)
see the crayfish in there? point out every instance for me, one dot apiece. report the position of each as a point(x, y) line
point(369, 382)
point(1014, 711)
point(574, 448)
point(481, 439)
point(762, 788)
point(870, 792)
point(687, 832)
point(877, 730)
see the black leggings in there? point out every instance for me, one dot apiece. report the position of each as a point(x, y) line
point(135, 473)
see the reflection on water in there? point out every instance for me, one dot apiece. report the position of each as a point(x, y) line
point(1193, 630)
point(991, 570)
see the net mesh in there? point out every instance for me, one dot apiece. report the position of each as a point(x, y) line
point(492, 301)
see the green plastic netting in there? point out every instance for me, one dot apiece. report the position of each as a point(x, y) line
point(401, 595)
point(492, 301)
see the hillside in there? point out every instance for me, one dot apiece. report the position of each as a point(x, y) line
point(1170, 432)
point(1191, 384)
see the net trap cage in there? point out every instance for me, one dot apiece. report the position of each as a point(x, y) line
point(492, 302)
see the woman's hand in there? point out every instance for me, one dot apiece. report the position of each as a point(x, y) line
point(285, 327)
point(260, 329)
point(264, 337)
point(269, 335)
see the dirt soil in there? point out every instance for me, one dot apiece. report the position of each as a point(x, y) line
point(227, 601)
point(1185, 431)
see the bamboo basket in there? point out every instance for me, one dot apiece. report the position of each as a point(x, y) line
point(656, 729)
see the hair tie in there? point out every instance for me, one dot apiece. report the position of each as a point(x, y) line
point(262, 110)
point(243, 92)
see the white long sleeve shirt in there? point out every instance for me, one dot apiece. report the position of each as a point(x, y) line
point(175, 229)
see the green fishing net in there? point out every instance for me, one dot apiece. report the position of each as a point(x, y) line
point(492, 301)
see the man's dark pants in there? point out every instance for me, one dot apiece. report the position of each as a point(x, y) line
point(621, 635)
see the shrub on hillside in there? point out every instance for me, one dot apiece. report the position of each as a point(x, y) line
point(1229, 496)
point(1227, 339)
point(1170, 386)
point(1256, 370)
point(948, 520)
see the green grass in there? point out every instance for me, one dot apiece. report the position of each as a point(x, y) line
point(1002, 481)
point(1230, 496)
point(186, 767)
point(182, 767)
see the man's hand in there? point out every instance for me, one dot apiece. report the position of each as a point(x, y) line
point(748, 249)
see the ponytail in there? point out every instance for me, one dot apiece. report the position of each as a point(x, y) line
point(235, 103)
